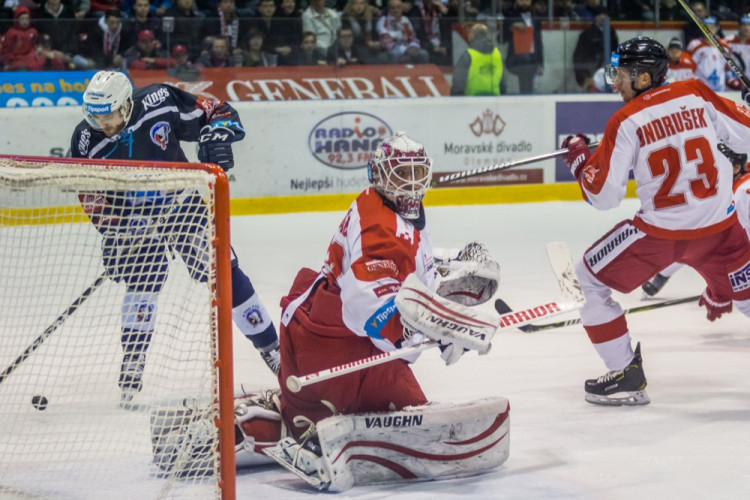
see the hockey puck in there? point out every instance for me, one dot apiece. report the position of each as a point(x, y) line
point(39, 402)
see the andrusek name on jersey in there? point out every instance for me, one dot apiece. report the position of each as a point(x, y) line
point(671, 124)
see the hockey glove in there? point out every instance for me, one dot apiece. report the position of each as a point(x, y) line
point(215, 145)
point(714, 308)
point(578, 153)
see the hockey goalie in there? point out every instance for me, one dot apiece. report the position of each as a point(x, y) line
point(381, 288)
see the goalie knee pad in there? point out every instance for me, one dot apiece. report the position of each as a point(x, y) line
point(429, 442)
point(257, 426)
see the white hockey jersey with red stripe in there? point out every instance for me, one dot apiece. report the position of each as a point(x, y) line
point(739, 47)
point(710, 65)
point(683, 69)
point(667, 137)
point(371, 254)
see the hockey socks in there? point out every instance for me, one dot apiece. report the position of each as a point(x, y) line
point(249, 313)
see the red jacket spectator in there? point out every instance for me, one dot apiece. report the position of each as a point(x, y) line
point(19, 47)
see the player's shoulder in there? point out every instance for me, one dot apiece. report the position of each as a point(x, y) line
point(82, 140)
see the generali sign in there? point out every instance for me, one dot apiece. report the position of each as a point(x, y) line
point(300, 83)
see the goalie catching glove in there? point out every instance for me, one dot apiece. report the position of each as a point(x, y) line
point(455, 326)
point(215, 143)
point(469, 276)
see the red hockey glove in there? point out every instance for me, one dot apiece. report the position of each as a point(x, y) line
point(714, 307)
point(578, 153)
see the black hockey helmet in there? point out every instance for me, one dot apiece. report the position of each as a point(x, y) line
point(640, 54)
point(735, 158)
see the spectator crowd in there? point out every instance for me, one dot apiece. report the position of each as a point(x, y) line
point(184, 36)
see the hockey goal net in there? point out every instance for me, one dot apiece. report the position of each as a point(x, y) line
point(66, 430)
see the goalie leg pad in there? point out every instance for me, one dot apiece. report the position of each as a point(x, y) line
point(442, 441)
point(442, 319)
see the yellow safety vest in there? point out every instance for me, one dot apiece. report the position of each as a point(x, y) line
point(485, 72)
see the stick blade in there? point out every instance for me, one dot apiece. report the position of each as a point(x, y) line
point(565, 273)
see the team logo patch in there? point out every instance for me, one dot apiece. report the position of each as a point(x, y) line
point(386, 289)
point(160, 134)
point(153, 99)
point(253, 316)
point(379, 265)
point(377, 321)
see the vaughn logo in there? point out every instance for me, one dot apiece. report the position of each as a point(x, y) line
point(394, 421)
point(347, 140)
point(487, 123)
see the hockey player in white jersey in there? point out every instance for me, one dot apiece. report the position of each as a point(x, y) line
point(667, 136)
point(137, 236)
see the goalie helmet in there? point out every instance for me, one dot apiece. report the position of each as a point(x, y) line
point(107, 92)
point(739, 161)
point(638, 55)
point(401, 172)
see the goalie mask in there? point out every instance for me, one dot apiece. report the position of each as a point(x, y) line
point(108, 102)
point(401, 172)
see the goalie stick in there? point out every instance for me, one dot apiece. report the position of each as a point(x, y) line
point(712, 39)
point(562, 267)
point(497, 167)
point(501, 307)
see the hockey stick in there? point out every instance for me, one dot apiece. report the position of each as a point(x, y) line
point(497, 167)
point(54, 326)
point(501, 306)
point(712, 38)
point(562, 266)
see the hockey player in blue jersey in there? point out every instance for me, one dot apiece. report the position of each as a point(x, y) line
point(148, 124)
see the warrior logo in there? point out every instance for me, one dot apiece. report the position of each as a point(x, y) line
point(160, 134)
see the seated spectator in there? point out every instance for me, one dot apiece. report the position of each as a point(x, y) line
point(358, 15)
point(81, 8)
point(147, 53)
point(588, 55)
point(670, 10)
point(398, 38)
point(183, 69)
point(19, 44)
point(49, 59)
point(479, 70)
point(264, 18)
point(286, 29)
point(322, 21)
point(254, 54)
point(681, 64)
point(220, 55)
point(57, 20)
point(307, 53)
point(226, 22)
point(426, 17)
point(740, 42)
point(188, 22)
point(343, 52)
point(690, 30)
point(99, 43)
point(157, 8)
point(589, 9)
point(141, 19)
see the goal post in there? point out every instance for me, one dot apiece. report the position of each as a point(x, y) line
point(100, 259)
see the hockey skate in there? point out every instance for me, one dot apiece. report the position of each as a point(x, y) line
point(652, 287)
point(272, 357)
point(130, 383)
point(620, 387)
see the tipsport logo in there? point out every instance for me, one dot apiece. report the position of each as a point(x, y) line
point(347, 140)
